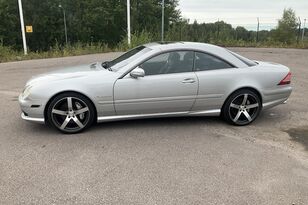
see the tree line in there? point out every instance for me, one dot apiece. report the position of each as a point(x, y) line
point(104, 21)
point(288, 31)
point(88, 21)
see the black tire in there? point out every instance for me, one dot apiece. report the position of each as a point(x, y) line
point(70, 113)
point(242, 107)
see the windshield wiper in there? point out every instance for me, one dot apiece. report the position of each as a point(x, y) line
point(105, 64)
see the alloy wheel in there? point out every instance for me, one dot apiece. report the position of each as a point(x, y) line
point(244, 109)
point(70, 114)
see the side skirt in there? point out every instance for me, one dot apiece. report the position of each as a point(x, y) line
point(215, 112)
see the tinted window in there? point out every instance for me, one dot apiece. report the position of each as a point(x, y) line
point(127, 57)
point(171, 62)
point(208, 62)
point(244, 60)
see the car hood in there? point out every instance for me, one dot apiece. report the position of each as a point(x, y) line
point(70, 73)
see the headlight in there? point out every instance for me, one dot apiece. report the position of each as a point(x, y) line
point(26, 92)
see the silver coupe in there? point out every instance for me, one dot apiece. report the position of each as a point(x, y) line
point(157, 80)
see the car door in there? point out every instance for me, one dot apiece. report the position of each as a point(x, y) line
point(216, 78)
point(169, 85)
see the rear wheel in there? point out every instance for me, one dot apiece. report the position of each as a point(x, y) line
point(242, 107)
point(71, 112)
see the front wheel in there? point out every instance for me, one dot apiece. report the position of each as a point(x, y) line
point(242, 107)
point(70, 112)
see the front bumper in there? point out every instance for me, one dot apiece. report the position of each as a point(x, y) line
point(32, 119)
point(32, 110)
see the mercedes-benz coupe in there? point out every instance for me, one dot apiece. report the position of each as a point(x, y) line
point(157, 80)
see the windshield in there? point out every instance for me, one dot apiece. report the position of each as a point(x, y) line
point(243, 59)
point(126, 58)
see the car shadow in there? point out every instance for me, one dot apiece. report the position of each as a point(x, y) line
point(265, 118)
point(158, 122)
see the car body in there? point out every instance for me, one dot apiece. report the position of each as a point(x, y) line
point(159, 80)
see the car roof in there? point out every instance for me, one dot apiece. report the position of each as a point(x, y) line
point(182, 45)
point(203, 47)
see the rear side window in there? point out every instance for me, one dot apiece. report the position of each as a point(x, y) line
point(205, 62)
point(244, 60)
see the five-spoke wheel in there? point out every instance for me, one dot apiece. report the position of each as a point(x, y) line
point(70, 112)
point(242, 107)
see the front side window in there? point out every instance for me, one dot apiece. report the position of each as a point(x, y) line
point(171, 62)
point(205, 61)
point(127, 57)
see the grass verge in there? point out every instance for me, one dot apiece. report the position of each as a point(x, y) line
point(9, 54)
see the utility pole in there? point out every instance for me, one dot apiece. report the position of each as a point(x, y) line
point(299, 29)
point(218, 29)
point(163, 20)
point(22, 24)
point(180, 30)
point(64, 21)
point(128, 23)
point(303, 34)
point(258, 27)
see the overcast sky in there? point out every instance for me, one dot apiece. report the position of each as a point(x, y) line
point(242, 12)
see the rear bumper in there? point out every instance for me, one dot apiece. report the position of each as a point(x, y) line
point(275, 97)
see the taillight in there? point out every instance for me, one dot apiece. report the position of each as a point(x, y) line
point(286, 80)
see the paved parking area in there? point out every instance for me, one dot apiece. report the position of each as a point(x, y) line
point(156, 161)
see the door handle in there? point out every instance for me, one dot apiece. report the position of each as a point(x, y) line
point(188, 80)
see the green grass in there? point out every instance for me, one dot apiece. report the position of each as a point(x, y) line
point(136, 40)
point(9, 54)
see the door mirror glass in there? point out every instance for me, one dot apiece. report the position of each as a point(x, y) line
point(137, 73)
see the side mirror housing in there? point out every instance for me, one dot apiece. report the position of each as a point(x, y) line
point(137, 73)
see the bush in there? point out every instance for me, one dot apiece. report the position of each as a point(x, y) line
point(136, 40)
point(9, 54)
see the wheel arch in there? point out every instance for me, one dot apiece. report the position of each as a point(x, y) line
point(244, 88)
point(68, 91)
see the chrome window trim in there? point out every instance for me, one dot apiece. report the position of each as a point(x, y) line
point(175, 50)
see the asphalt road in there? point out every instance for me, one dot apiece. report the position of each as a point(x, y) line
point(156, 161)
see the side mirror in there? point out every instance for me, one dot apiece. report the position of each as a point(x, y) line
point(137, 73)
